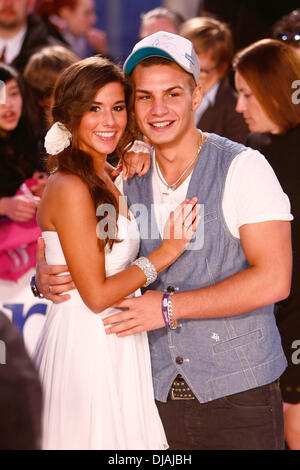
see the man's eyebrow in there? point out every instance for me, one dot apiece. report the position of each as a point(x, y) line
point(142, 91)
point(167, 90)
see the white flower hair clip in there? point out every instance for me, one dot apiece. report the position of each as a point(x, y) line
point(57, 139)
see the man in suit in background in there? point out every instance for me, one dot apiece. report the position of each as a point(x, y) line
point(21, 33)
point(212, 41)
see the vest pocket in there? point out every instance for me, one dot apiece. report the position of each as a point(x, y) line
point(238, 341)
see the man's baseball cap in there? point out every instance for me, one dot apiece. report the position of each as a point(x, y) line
point(168, 45)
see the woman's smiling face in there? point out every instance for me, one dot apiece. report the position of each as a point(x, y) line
point(11, 106)
point(103, 125)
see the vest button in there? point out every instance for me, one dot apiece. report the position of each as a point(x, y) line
point(179, 360)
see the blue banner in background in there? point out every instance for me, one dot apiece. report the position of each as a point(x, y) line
point(120, 19)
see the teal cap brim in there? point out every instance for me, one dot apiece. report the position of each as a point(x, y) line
point(141, 54)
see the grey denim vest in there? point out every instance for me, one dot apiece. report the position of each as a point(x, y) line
point(217, 356)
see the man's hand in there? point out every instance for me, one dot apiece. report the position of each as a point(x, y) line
point(142, 314)
point(47, 280)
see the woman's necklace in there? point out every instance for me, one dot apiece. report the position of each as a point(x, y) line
point(172, 187)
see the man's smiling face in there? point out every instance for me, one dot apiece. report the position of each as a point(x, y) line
point(164, 102)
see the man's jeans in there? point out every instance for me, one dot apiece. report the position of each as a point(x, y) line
point(243, 421)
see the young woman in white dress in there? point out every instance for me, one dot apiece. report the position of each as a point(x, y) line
point(97, 387)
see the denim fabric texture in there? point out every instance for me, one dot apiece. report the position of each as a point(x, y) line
point(219, 356)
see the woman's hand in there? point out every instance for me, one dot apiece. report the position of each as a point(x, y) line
point(137, 159)
point(136, 163)
point(180, 227)
point(19, 208)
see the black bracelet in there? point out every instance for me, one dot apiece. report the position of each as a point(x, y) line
point(34, 288)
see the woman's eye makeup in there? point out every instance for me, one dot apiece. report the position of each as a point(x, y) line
point(94, 107)
point(119, 107)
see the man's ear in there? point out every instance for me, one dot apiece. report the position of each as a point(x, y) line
point(197, 97)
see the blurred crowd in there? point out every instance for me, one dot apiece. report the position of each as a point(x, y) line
point(249, 96)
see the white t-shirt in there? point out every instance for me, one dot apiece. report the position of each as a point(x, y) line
point(252, 193)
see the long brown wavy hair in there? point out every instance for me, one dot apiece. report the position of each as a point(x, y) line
point(73, 95)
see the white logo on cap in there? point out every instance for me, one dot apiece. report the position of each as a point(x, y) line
point(190, 58)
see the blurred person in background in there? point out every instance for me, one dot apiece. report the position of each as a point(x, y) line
point(71, 22)
point(40, 75)
point(21, 182)
point(212, 41)
point(264, 74)
point(160, 19)
point(21, 33)
point(19, 156)
point(43, 69)
point(248, 21)
point(287, 29)
point(20, 393)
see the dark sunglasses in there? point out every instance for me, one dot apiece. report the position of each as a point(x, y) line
point(290, 37)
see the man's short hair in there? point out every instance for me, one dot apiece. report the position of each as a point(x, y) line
point(207, 33)
point(161, 12)
point(43, 68)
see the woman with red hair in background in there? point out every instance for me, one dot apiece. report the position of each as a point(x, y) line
point(266, 78)
point(72, 21)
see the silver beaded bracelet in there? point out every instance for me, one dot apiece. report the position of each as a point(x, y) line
point(148, 269)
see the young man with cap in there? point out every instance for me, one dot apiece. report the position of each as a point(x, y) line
point(215, 349)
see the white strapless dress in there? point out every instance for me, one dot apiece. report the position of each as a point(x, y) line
point(98, 391)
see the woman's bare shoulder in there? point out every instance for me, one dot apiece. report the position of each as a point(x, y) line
point(66, 187)
point(60, 181)
point(63, 192)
